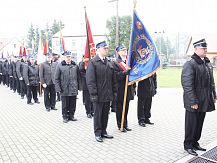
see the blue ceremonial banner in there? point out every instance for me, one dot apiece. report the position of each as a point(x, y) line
point(143, 58)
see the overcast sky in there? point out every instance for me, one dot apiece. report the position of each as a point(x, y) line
point(172, 16)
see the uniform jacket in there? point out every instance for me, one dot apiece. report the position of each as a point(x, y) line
point(14, 69)
point(83, 76)
point(121, 80)
point(198, 84)
point(31, 74)
point(101, 80)
point(47, 72)
point(5, 67)
point(1, 63)
point(147, 87)
point(67, 79)
point(19, 68)
point(10, 69)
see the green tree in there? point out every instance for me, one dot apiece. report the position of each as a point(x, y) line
point(30, 37)
point(36, 40)
point(164, 46)
point(33, 34)
point(56, 26)
point(124, 32)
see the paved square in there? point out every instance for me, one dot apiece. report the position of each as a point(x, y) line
point(30, 134)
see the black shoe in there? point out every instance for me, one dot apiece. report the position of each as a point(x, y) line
point(53, 108)
point(199, 148)
point(47, 109)
point(124, 130)
point(113, 110)
point(142, 124)
point(30, 103)
point(22, 97)
point(191, 152)
point(128, 129)
point(99, 139)
point(72, 119)
point(107, 136)
point(65, 120)
point(89, 116)
point(149, 122)
point(37, 102)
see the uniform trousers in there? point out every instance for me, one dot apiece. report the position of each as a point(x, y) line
point(144, 109)
point(119, 111)
point(101, 111)
point(17, 85)
point(50, 96)
point(68, 106)
point(11, 80)
point(31, 92)
point(88, 104)
point(193, 128)
point(22, 88)
point(0, 78)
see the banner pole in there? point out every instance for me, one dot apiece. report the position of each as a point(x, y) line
point(124, 103)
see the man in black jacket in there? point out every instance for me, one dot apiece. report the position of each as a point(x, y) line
point(86, 96)
point(102, 86)
point(67, 82)
point(46, 74)
point(19, 69)
point(57, 60)
point(1, 65)
point(31, 78)
point(199, 95)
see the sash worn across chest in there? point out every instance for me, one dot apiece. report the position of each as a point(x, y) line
point(122, 65)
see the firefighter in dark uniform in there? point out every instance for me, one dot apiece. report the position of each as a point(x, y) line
point(19, 69)
point(145, 91)
point(46, 74)
point(86, 96)
point(10, 73)
point(67, 82)
point(1, 63)
point(16, 71)
point(14, 74)
point(56, 59)
point(121, 70)
point(31, 78)
point(199, 95)
point(6, 72)
point(102, 86)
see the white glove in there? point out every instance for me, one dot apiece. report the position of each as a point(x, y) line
point(20, 78)
point(27, 84)
point(0, 73)
point(44, 85)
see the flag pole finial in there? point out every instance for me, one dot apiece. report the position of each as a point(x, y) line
point(134, 4)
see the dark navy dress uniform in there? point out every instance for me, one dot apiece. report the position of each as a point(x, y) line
point(199, 88)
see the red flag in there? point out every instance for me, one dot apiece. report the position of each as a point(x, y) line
point(24, 51)
point(62, 43)
point(46, 45)
point(21, 51)
point(90, 50)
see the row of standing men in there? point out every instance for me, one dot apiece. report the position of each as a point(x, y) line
point(102, 82)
